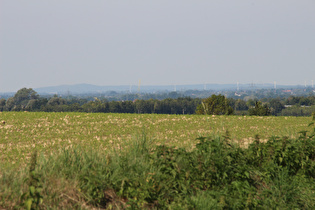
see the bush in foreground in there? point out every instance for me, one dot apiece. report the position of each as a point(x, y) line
point(216, 174)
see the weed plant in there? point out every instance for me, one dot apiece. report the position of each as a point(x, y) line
point(218, 174)
point(33, 198)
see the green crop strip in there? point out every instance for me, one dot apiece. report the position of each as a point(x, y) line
point(50, 132)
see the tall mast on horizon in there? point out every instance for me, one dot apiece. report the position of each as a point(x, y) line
point(139, 85)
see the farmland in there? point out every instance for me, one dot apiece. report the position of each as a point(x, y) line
point(49, 132)
point(149, 161)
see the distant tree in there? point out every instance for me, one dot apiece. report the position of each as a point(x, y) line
point(216, 104)
point(176, 107)
point(250, 103)
point(173, 95)
point(115, 107)
point(240, 105)
point(24, 95)
point(127, 107)
point(20, 100)
point(187, 105)
point(9, 104)
point(144, 106)
point(95, 106)
point(232, 102)
point(259, 109)
point(276, 106)
point(165, 107)
point(75, 107)
point(305, 101)
point(157, 107)
point(2, 104)
point(56, 101)
point(33, 104)
point(74, 100)
point(292, 100)
point(296, 110)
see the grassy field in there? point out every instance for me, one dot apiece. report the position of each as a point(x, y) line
point(160, 163)
point(50, 132)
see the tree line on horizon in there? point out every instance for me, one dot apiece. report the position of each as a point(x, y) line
point(26, 99)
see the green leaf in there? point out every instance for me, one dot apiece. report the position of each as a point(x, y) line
point(32, 190)
point(247, 174)
point(280, 159)
point(38, 190)
point(23, 196)
point(28, 203)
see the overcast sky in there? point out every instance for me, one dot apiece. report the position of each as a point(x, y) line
point(160, 42)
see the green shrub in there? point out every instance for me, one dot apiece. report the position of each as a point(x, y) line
point(216, 174)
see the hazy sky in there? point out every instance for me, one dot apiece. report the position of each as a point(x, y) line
point(161, 42)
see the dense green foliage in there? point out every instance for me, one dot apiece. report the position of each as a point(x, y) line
point(28, 100)
point(171, 103)
point(259, 109)
point(298, 111)
point(215, 105)
point(216, 174)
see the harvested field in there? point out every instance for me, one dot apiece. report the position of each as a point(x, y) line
point(22, 132)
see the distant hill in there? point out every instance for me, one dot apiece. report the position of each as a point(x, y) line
point(78, 88)
point(88, 88)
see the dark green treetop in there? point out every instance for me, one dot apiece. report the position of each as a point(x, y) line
point(216, 105)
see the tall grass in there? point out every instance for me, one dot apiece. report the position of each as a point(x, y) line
point(216, 174)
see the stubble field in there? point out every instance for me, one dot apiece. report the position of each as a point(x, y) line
point(23, 132)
